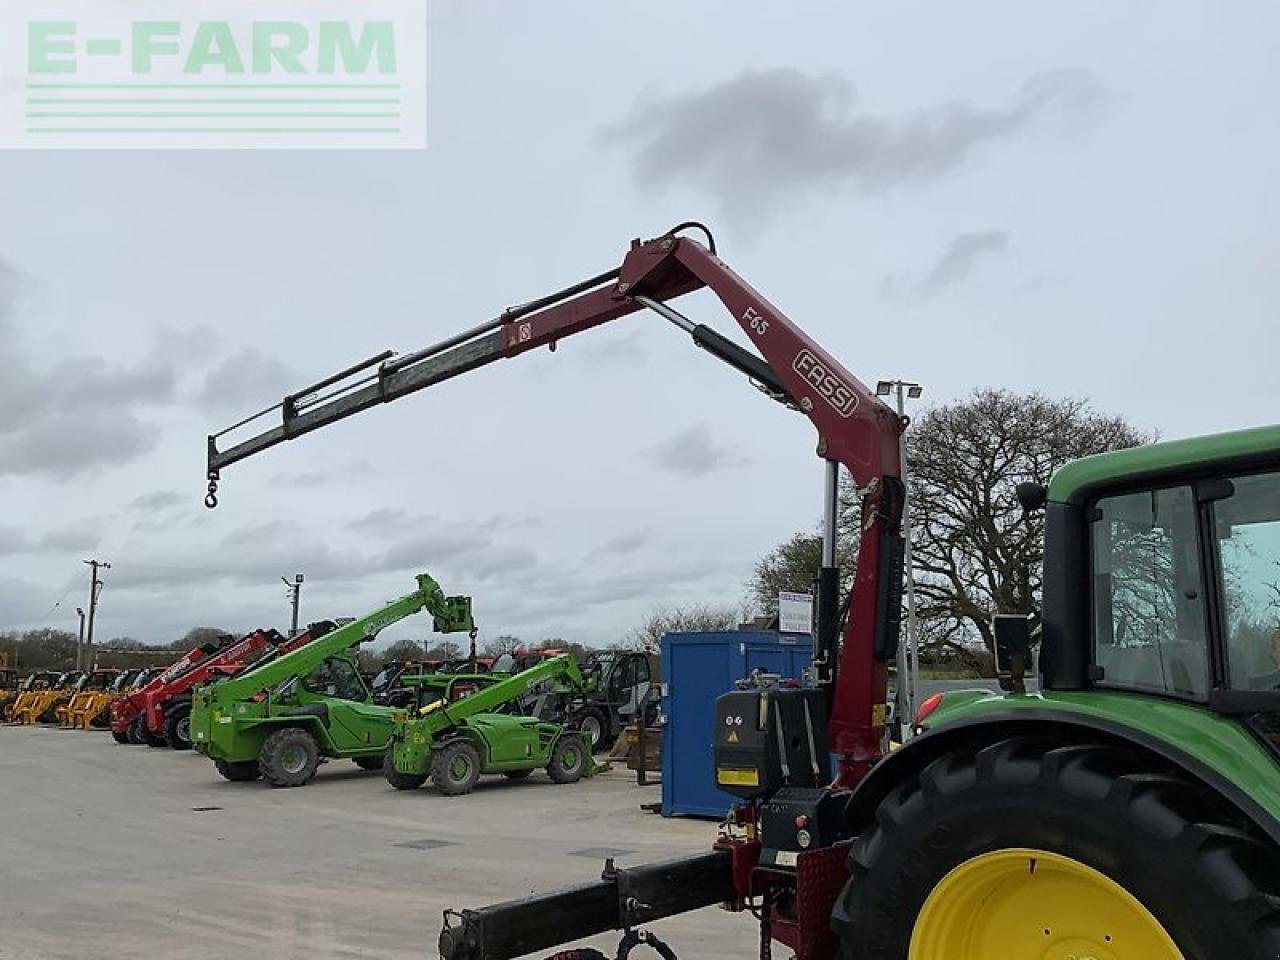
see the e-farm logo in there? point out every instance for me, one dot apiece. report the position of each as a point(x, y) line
point(213, 74)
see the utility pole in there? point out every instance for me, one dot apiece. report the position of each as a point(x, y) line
point(80, 640)
point(909, 646)
point(294, 594)
point(95, 587)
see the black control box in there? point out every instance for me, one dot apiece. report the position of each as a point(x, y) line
point(766, 739)
point(796, 819)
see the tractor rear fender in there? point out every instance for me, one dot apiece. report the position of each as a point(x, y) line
point(1043, 723)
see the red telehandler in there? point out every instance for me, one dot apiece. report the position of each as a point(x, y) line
point(159, 714)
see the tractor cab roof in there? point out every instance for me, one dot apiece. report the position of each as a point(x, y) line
point(1077, 481)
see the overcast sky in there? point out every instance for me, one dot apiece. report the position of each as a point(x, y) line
point(1076, 198)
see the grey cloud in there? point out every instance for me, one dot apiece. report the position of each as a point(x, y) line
point(82, 535)
point(693, 452)
point(764, 135)
point(77, 414)
point(246, 381)
point(624, 543)
point(157, 500)
point(312, 479)
point(471, 555)
point(955, 265)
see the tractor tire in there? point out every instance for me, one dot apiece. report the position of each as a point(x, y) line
point(516, 774)
point(568, 759)
point(238, 771)
point(401, 781)
point(6, 707)
point(455, 768)
point(152, 739)
point(289, 757)
point(1027, 847)
point(177, 728)
point(594, 727)
point(137, 729)
point(368, 763)
point(120, 737)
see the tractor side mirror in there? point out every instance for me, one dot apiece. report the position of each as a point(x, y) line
point(1015, 635)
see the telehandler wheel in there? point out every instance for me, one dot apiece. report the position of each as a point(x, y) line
point(137, 729)
point(568, 759)
point(455, 768)
point(289, 757)
point(401, 781)
point(516, 774)
point(1029, 848)
point(593, 727)
point(177, 728)
point(151, 739)
point(120, 737)
point(368, 763)
point(238, 771)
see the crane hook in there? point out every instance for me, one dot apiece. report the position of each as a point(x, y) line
point(211, 498)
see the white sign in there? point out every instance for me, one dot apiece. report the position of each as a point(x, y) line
point(214, 74)
point(795, 612)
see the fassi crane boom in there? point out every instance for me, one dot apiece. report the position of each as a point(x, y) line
point(854, 429)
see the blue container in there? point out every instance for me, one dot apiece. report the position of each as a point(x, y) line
point(696, 669)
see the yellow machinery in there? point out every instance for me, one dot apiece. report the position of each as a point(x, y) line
point(30, 688)
point(43, 706)
point(8, 683)
point(91, 708)
point(88, 685)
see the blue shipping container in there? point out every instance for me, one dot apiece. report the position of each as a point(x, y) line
point(696, 669)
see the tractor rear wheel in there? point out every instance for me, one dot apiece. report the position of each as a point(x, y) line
point(1029, 848)
point(238, 771)
point(152, 739)
point(401, 781)
point(368, 763)
point(289, 757)
point(455, 768)
point(119, 737)
point(568, 759)
point(177, 728)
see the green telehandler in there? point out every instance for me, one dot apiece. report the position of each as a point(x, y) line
point(282, 719)
point(454, 741)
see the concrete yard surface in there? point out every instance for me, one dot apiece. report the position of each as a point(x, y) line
point(117, 852)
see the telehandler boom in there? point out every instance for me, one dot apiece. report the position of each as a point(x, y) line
point(1130, 810)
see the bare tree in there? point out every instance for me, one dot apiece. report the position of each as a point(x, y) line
point(689, 619)
point(500, 645)
point(976, 553)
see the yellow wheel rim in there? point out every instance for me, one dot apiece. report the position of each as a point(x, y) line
point(1023, 904)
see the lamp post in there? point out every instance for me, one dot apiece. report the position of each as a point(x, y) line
point(295, 596)
point(908, 647)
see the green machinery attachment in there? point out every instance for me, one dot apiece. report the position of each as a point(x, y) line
point(455, 741)
point(280, 720)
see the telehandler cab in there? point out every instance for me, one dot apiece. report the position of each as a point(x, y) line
point(1128, 811)
point(454, 740)
point(281, 720)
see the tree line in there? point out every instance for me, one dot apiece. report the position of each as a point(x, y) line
point(975, 552)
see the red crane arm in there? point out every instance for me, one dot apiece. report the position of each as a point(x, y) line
point(854, 429)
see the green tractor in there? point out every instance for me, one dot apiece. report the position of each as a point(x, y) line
point(279, 721)
point(1131, 808)
point(455, 741)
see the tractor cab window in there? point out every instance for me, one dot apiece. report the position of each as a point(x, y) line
point(336, 678)
point(1149, 617)
point(1247, 523)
